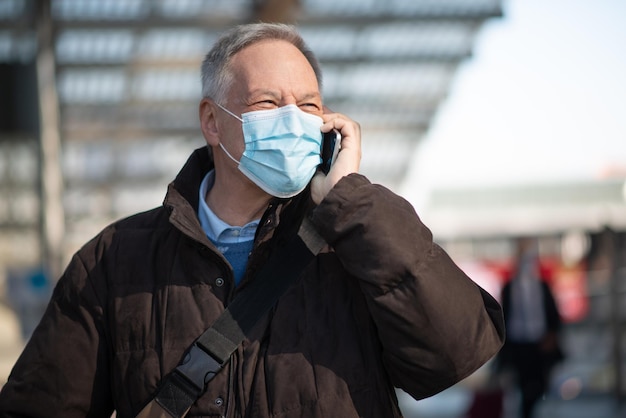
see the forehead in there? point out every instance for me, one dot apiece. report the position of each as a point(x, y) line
point(273, 64)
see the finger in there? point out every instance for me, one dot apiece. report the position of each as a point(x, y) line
point(339, 122)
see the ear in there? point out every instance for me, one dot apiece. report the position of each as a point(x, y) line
point(208, 123)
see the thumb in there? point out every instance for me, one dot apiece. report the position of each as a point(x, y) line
point(319, 187)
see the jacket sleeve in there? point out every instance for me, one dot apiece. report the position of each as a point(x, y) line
point(62, 371)
point(436, 325)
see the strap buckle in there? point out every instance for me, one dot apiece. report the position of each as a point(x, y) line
point(198, 367)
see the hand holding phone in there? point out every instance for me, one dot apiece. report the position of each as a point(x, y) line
point(331, 142)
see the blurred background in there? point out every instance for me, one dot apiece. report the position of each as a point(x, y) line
point(495, 119)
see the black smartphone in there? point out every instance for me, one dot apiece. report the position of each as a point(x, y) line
point(331, 141)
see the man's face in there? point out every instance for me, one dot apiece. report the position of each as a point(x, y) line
point(267, 75)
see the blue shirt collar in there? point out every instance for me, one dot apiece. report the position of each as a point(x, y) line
point(215, 228)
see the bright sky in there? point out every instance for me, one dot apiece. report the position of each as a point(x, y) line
point(543, 98)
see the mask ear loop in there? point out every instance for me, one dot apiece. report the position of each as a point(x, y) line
point(228, 154)
point(220, 144)
point(229, 112)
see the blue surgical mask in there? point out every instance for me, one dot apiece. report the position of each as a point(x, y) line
point(281, 148)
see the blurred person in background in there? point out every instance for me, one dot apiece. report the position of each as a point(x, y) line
point(380, 306)
point(533, 322)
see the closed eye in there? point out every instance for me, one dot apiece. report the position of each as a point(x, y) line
point(309, 107)
point(266, 104)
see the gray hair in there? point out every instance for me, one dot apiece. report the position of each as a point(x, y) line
point(216, 75)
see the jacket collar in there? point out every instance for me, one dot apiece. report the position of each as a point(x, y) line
point(187, 182)
point(182, 194)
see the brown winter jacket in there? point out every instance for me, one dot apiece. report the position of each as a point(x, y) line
point(384, 307)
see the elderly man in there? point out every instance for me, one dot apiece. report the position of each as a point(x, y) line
point(380, 306)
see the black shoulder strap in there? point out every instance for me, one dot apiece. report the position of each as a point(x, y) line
point(212, 350)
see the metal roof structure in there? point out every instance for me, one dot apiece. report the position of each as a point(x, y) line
point(532, 209)
point(123, 77)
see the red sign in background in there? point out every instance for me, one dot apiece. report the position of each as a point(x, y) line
point(568, 283)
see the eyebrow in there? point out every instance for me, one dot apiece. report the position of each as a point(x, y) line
point(315, 95)
point(261, 92)
point(276, 95)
